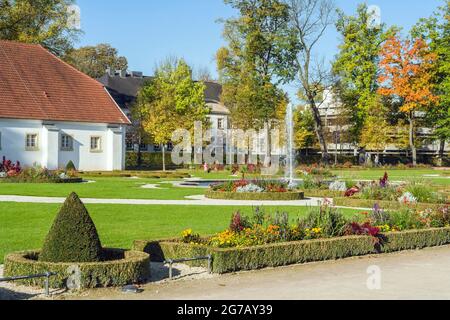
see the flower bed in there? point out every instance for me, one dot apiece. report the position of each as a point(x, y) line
point(388, 205)
point(14, 173)
point(406, 193)
point(270, 241)
point(119, 268)
point(288, 253)
point(254, 190)
point(261, 196)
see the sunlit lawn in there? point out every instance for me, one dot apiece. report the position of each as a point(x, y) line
point(103, 188)
point(24, 226)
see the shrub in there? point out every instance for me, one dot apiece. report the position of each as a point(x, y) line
point(327, 219)
point(73, 236)
point(405, 219)
point(8, 168)
point(378, 216)
point(238, 222)
point(377, 192)
point(314, 182)
point(71, 166)
point(423, 193)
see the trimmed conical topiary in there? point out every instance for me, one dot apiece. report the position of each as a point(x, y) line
point(73, 236)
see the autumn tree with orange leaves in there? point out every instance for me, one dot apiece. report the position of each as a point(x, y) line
point(406, 77)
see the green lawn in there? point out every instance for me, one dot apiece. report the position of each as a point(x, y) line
point(24, 226)
point(442, 178)
point(103, 188)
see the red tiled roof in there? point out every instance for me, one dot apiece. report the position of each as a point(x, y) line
point(36, 85)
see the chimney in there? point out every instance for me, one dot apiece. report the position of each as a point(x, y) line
point(110, 72)
point(122, 73)
point(137, 74)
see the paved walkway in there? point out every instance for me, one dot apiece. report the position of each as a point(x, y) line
point(408, 275)
point(199, 200)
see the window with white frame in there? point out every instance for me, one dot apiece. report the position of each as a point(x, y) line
point(220, 123)
point(66, 142)
point(96, 144)
point(31, 142)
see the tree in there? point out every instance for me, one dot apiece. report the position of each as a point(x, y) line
point(377, 132)
point(73, 236)
point(259, 56)
point(45, 22)
point(304, 129)
point(171, 100)
point(94, 60)
point(406, 75)
point(309, 19)
point(436, 31)
point(356, 65)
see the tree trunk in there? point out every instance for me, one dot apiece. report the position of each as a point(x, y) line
point(411, 139)
point(163, 148)
point(268, 158)
point(139, 154)
point(319, 131)
point(442, 150)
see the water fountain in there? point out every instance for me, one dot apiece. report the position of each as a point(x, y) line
point(290, 147)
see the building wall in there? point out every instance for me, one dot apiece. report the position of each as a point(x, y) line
point(49, 153)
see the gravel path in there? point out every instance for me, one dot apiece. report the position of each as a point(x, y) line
point(159, 276)
point(191, 201)
point(422, 274)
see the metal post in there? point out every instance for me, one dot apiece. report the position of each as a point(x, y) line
point(47, 284)
point(170, 269)
point(209, 264)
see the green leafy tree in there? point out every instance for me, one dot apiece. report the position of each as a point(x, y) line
point(171, 100)
point(304, 129)
point(73, 236)
point(258, 57)
point(377, 132)
point(45, 22)
point(356, 64)
point(94, 60)
point(436, 31)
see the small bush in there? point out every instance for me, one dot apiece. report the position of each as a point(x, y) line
point(424, 194)
point(71, 166)
point(327, 219)
point(73, 236)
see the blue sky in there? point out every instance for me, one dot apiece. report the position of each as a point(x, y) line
point(147, 31)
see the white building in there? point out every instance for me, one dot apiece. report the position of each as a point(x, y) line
point(50, 113)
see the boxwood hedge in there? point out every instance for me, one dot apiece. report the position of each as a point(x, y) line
point(263, 196)
point(120, 268)
point(282, 254)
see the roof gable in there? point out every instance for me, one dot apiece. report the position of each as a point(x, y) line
point(35, 84)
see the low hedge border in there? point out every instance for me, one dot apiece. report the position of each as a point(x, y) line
point(288, 253)
point(128, 174)
point(317, 193)
point(57, 180)
point(388, 205)
point(130, 267)
point(263, 196)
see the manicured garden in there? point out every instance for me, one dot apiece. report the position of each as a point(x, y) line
point(264, 240)
point(24, 226)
